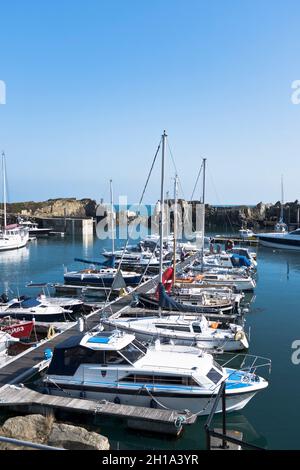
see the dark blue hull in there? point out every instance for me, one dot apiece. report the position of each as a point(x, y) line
point(101, 282)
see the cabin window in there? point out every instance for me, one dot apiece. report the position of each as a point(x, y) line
point(161, 379)
point(113, 357)
point(197, 329)
point(217, 366)
point(132, 352)
point(214, 375)
point(67, 361)
point(174, 327)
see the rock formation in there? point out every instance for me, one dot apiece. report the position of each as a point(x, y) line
point(44, 430)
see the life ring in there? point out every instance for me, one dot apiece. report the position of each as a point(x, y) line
point(214, 324)
point(229, 245)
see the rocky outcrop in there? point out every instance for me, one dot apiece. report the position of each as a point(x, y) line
point(44, 430)
point(76, 438)
point(64, 207)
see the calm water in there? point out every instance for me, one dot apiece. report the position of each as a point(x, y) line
point(272, 418)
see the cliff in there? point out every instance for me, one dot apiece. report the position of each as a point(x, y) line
point(62, 207)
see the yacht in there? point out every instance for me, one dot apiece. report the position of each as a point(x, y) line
point(281, 240)
point(180, 330)
point(114, 366)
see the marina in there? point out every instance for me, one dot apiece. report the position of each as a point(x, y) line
point(285, 267)
point(149, 229)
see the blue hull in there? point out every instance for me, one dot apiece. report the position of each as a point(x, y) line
point(100, 282)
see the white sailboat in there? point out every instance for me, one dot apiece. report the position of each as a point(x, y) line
point(11, 236)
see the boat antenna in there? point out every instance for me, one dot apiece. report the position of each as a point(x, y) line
point(112, 217)
point(4, 191)
point(161, 218)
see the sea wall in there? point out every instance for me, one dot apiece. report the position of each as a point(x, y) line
point(259, 216)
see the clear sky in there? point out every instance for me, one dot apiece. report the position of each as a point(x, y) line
point(91, 84)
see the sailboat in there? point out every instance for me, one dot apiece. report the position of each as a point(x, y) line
point(281, 226)
point(11, 236)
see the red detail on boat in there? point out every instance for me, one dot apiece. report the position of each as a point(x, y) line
point(167, 281)
point(17, 328)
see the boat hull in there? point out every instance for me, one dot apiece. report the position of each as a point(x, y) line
point(199, 403)
point(99, 281)
point(226, 345)
point(40, 317)
point(21, 331)
point(280, 243)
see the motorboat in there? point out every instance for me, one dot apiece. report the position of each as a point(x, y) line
point(240, 282)
point(281, 240)
point(16, 328)
point(13, 237)
point(181, 330)
point(29, 308)
point(34, 230)
point(73, 304)
point(246, 233)
point(115, 366)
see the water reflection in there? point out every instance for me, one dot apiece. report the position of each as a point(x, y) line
point(14, 256)
point(87, 242)
point(193, 437)
point(290, 260)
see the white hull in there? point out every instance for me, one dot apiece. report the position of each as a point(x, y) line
point(226, 344)
point(13, 241)
point(201, 405)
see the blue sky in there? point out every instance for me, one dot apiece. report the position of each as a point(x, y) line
point(92, 84)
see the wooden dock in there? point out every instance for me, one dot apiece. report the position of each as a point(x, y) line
point(159, 420)
point(253, 241)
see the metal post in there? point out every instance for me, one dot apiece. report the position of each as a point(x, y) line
point(112, 217)
point(161, 218)
point(224, 441)
point(175, 229)
point(4, 191)
point(208, 439)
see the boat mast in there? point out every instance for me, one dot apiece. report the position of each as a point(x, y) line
point(4, 191)
point(282, 200)
point(112, 217)
point(161, 215)
point(203, 202)
point(175, 229)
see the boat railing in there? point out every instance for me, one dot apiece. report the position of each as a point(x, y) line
point(250, 363)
